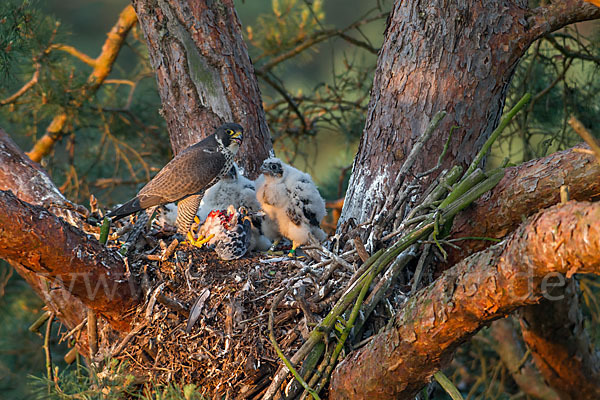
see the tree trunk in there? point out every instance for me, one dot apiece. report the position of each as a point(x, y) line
point(524, 189)
point(452, 55)
point(205, 76)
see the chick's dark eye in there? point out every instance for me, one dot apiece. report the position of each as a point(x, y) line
point(273, 167)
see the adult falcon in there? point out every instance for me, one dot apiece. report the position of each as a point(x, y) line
point(185, 178)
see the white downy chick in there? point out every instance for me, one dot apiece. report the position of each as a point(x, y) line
point(291, 200)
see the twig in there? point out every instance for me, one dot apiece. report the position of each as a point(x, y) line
point(314, 39)
point(76, 329)
point(34, 79)
point(346, 331)
point(35, 327)
point(127, 338)
point(419, 269)
point(382, 287)
point(447, 385)
point(92, 331)
point(441, 157)
point(564, 194)
point(46, 347)
point(503, 124)
point(75, 53)
point(585, 135)
point(360, 249)
point(287, 363)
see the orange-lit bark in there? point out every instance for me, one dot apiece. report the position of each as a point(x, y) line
point(41, 246)
point(506, 343)
point(102, 66)
point(47, 246)
point(555, 333)
point(397, 363)
point(524, 190)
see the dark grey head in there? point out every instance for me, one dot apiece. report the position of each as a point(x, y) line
point(273, 167)
point(230, 135)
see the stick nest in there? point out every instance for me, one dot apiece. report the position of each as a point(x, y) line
point(226, 351)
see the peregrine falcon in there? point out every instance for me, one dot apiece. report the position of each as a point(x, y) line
point(292, 202)
point(185, 178)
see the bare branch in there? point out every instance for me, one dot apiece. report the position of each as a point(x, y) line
point(92, 62)
point(318, 37)
point(524, 190)
point(558, 14)
point(49, 247)
point(563, 352)
point(28, 85)
point(102, 67)
point(526, 376)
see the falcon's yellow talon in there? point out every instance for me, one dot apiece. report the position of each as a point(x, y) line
point(206, 239)
point(190, 237)
point(200, 241)
point(196, 219)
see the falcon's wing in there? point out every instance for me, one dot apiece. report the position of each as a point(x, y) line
point(307, 201)
point(187, 174)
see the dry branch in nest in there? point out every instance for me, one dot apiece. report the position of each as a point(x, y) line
point(204, 320)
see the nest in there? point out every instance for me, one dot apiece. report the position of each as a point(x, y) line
point(205, 321)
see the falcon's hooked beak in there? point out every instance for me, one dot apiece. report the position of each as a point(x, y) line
point(237, 137)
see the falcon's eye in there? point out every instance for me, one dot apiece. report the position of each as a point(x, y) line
point(229, 132)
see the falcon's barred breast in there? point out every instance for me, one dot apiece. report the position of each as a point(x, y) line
point(187, 176)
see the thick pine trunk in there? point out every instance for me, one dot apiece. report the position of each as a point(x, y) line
point(205, 76)
point(452, 55)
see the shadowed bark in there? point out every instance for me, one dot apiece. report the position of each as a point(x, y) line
point(554, 331)
point(453, 55)
point(204, 74)
point(44, 248)
point(524, 190)
point(511, 353)
point(397, 363)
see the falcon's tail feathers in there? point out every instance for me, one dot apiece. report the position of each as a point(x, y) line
point(126, 209)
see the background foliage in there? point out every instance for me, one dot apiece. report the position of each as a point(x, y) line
point(315, 62)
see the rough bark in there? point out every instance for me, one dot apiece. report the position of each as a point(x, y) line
point(524, 190)
point(43, 247)
point(204, 74)
point(564, 239)
point(453, 55)
point(511, 353)
point(30, 183)
point(554, 332)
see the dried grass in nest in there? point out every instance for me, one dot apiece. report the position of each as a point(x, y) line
point(227, 350)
